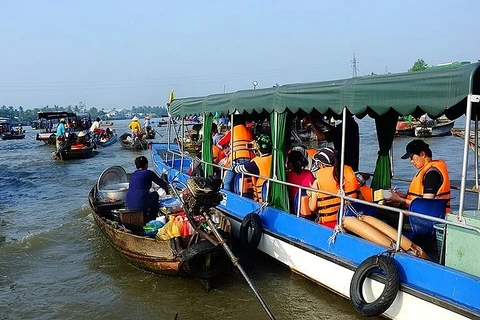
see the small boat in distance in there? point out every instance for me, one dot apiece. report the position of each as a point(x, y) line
point(15, 135)
point(424, 128)
point(106, 123)
point(128, 143)
point(434, 128)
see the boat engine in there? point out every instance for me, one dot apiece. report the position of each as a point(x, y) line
point(201, 194)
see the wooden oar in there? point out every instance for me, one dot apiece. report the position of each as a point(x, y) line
point(225, 247)
point(237, 264)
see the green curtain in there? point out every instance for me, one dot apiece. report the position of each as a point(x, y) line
point(278, 193)
point(386, 126)
point(207, 155)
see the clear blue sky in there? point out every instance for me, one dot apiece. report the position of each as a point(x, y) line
point(122, 53)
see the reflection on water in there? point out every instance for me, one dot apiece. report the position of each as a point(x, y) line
point(54, 263)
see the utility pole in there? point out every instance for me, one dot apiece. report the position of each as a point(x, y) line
point(354, 66)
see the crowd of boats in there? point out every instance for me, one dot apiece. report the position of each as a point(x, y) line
point(82, 135)
point(198, 218)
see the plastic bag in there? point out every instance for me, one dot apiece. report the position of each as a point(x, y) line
point(152, 227)
point(171, 229)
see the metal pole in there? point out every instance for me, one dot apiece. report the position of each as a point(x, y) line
point(342, 161)
point(468, 116)
point(235, 262)
point(476, 158)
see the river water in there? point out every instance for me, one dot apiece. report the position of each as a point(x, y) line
point(55, 263)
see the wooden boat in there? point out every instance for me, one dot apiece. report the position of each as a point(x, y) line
point(430, 128)
point(460, 132)
point(139, 144)
point(105, 143)
point(340, 261)
point(72, 152)
point(106, 123)
point(434, 128)
point(406, 128)
point(12, 136)
point(187, 255)
point(150, 134)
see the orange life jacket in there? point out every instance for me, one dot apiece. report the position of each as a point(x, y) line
point(328, 205)
point(241, 137)
point(216, 151)
point(416, 186)
point(311, 152)
point(264, 165)
point(367, 193)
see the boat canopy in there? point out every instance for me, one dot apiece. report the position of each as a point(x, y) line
point(436, 91)
point(55, 115)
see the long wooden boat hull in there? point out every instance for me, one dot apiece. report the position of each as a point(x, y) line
point(73, 154)
point(306, 248)
point(460, 132)
point(9, 136)
point(145, 253)
point(440, 129)
point(174, 257)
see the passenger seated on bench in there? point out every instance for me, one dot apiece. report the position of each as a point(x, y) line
point(430, 181)
point(260, 165)
point(139, 197)
point(327, 179)
point(297, 174)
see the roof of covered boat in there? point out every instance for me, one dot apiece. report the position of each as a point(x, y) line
point(435, 91)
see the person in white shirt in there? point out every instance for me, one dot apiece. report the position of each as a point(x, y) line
point(95, 125)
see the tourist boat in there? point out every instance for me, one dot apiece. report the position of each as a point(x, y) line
point(409, 285)
point(53, 118)
point(189, 254)
point(460, 132)
point(139, 144)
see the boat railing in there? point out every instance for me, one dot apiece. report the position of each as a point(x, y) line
point(401, 212)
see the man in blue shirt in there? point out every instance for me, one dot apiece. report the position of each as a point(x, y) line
point(139, 197)
point(60, 134)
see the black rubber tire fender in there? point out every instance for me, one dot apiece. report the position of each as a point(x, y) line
point(390, 290)
point(251, 222)
point(194, 258)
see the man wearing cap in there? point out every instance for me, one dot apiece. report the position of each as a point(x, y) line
point(60, 135)
point(260, 165)
point(431, 180)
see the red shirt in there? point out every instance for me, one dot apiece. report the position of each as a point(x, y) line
point(305, 179)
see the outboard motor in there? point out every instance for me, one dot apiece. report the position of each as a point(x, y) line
point(201, 194)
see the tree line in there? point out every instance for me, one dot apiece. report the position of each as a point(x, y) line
point(28, 115)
